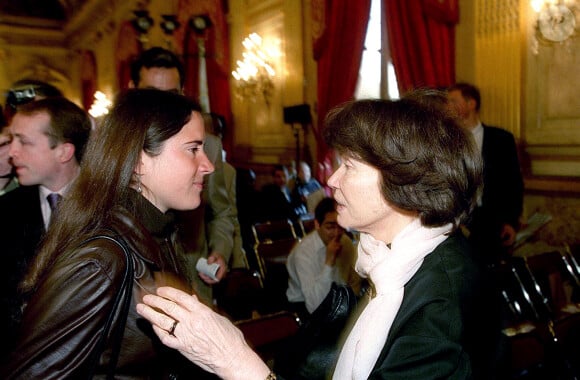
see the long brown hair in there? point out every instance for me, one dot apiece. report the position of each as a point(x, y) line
point(141, 121)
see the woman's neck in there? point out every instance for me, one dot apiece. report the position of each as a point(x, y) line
point(391, 227)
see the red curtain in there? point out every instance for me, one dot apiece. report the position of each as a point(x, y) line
point(422, 41)
point(338, 49)
point(88, 78)
point(127, 49)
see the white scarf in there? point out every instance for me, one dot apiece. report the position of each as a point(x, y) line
point(389, 270)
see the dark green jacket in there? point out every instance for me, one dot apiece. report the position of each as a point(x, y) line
point(447, 326)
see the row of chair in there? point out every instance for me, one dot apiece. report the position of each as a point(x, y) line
point(541, 295)
point(262, 289)
point(272, 230)
point(256, 299)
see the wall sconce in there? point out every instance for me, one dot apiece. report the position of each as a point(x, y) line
point(143, 23)
point(200, 23)
point(555, 20)
point(254, 73)
point(169, 24)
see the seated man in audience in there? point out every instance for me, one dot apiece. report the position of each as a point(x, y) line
point(277, 200)
point(49, 138)
point(324, 256)
point(307, 190)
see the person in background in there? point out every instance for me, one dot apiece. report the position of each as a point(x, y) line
point(48, 142)
point(145, 159)
point(277, 201)
point(421, 319)
point(8, 179)
point(492, 229)
point(208, 231)
point(214, 124)
point(247, 200)
point(307, 189)
point(324, 256)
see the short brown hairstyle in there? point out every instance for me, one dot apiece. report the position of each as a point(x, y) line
point(68, 122)
point(468, 91)
point(427, 163)
point(141, 120)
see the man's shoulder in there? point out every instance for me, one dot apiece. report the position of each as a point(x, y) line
point(22, 196)
point(270, 188)
point(496, 132)
point(309, 243)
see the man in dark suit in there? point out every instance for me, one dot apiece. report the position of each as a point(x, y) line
point(495, 221)
point(49, 137)
point(277, 200)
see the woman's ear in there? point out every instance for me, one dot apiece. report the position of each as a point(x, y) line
point(143, 165)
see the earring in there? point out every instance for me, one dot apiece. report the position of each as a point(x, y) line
point(139, 189)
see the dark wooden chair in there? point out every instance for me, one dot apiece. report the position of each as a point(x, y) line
point(267, 334)
point(272, 230)
point(571, 258)
point(307, 224)
point(240, 293)
point(523, 334)
point(272, 256)
point(546, 280)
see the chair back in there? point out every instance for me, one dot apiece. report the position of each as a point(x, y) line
point(272, 256)
point(269, 334)
point(272, 230)
point(515, 298)
point(548, 316)
point(547, 279)
point(240, 293)
point(307, 224)
point(267, 329)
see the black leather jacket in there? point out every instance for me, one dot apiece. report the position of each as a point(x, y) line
point(64, 318)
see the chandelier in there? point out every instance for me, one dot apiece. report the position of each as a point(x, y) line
point(254, 73)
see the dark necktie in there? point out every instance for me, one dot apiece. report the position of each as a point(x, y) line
point(53, 201)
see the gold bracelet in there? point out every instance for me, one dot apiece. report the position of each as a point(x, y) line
point(271, 376)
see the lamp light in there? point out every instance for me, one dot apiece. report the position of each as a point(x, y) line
point(100, 105)
point(254, 72)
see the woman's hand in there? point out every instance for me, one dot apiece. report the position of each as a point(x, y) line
point(201, 335)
